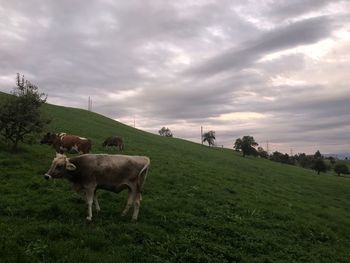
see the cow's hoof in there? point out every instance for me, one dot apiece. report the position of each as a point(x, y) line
point(133, 220)
point(88, 219)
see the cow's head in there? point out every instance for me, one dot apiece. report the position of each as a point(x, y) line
point(60, 167)
point(48, 138)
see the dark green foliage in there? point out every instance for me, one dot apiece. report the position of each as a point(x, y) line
point(209, 137)
point(319, 166)
point(305, 161)
point(332, 160)
point(246, 145)
point(20, 116)
point(262, 153)
point(166, 132)
point(341, 168)
point(199, 205)
point(282, 158)
point(318, 155)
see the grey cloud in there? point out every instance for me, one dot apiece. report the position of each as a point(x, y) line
point(299, 33)
point(192, 101)
point(73, 50)
point(286, 9)
point(283, 64)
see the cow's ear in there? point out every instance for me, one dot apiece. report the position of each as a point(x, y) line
point(70, 166)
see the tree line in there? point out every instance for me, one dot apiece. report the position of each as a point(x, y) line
point(247, 145)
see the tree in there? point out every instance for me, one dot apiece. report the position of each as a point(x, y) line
point(282, 158)
point(209, 137)
point(20, 115)
point(305, 161)
point(262, 153)
point(246, 145)
point(341, 168)
point(319, 166)
point(238, 145)
point(165, 132)
point(318, 155)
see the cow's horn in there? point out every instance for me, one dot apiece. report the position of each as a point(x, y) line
point(70, 166)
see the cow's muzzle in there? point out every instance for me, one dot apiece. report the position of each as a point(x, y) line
point(47, 177)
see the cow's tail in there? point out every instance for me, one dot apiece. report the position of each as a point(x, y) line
point(143, 174)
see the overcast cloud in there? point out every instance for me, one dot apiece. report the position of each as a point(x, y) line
point(277, 70)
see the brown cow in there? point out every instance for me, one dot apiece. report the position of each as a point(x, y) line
point(89, 172)
point(63, 142)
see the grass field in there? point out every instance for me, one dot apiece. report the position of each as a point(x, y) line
point(200, 205)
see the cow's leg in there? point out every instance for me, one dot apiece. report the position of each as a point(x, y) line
point(97, 206)
point(89, 195)
point(137, 203)
point(129, 202)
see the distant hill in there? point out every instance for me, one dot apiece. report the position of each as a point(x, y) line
point(200, 204)
point(340, 156)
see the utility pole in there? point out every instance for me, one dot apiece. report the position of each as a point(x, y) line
point(267, 147)
point(89, 104)
point(291, 152)
point(202, 134)
point(134, 121)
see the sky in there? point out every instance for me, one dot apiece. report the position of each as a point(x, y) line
point(277, 70)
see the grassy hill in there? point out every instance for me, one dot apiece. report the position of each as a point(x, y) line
point(200, 205)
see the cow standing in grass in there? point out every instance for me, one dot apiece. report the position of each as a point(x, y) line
point(63, 142)
point(114, 141)
point(89, 172)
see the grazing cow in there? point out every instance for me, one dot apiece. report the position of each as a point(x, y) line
point(114, 141)
point(89, 172)
point(63, 142)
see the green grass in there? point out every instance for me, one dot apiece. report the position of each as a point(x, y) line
point(200, 205)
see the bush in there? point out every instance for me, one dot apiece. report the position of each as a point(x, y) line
point(20, 115)
point(319, 166)
point(341, 168)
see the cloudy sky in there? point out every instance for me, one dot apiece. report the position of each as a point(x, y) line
point(278, 70)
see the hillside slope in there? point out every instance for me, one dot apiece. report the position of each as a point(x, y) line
point(200, 205)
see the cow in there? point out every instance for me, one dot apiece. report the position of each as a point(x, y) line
point(63, 142)
point(89, 172)
point(114, 141)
